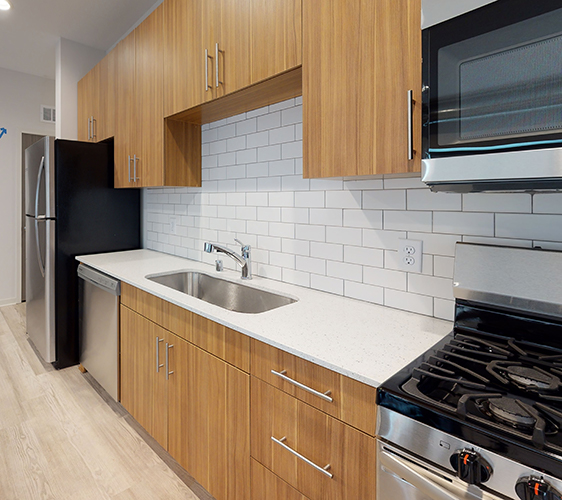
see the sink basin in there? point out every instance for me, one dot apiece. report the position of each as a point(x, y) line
point(223, 293)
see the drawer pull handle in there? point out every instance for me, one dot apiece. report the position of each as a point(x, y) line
point(323, 470)
point(325, 396)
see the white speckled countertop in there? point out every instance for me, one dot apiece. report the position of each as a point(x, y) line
point(361, 340)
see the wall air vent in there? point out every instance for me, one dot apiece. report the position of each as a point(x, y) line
point(48, 114)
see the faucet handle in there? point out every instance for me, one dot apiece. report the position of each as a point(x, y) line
point(247, 247)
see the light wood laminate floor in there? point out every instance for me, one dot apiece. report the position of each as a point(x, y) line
point(61, 437)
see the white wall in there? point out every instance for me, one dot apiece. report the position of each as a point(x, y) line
point(436, 11)
point(73, 61)
point(21, 97)
point(335, 235)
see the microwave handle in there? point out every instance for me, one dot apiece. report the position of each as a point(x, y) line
point(410, 125)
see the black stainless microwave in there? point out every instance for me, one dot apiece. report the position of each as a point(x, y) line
point(492, 98)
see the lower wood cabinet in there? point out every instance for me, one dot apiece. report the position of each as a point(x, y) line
point(319, 456)
point(193, 403)
point(185, 379)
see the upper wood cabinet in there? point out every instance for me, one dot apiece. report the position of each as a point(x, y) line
point(360, 59)
point(139, 133)
point(225, 39)
point(183, 56)
point(96, 102)
point(275, 37)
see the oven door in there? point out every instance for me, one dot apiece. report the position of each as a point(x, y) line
point(401, 475)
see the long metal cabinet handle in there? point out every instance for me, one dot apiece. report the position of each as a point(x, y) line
point(129, 168)
point(419, 482)
point(325, 396)
point(410, 125)
point(89, 129)
point(323, 470)
point(94, 128)
point(207, 86)
point(135, 178)
point(168, 372)
point(158, 365)
point(217, 50)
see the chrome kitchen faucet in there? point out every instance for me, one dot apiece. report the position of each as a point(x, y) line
point(244, 260)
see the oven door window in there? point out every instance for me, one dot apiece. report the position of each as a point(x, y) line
point(501, 89)
point(402, 476)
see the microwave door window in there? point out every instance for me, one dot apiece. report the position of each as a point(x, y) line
point(515, 92)
point(498, 89)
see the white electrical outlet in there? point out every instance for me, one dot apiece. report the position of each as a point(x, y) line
point(410, 255)
point(173, 222)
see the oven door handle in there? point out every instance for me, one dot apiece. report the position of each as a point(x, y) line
point(432, 490)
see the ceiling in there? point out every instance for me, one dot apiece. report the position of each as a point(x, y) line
point(29, 31)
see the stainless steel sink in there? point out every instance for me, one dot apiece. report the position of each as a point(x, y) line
point(223, 293)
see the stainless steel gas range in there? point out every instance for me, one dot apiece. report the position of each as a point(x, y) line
point(479, 416)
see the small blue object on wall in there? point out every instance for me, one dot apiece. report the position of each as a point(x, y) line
point(3, 132)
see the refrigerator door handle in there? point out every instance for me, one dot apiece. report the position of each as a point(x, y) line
point(40, 259)
point(38, 186)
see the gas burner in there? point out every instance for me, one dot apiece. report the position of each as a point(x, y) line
point(511, 411)
point(531, 378)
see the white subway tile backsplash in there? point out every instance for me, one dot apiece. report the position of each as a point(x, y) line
point(532, 227)
point(475, 224)
point(361, 291)
point(343, 235)
point(328, 251)
point(384, 200)
point(423, 199)
point(407, 221)
point(269, 121)
point(310, 265)
point(326, 216)
point(444, 309)
point(351, 272)
point(336, 235)
point(343, 199)
point(327, 284)
point(497, 202)
point(421, 304)
point(430, 285)
point(368, 219)
point(373, 257)
point(386, 278)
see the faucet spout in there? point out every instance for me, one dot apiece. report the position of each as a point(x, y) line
point(242, 260)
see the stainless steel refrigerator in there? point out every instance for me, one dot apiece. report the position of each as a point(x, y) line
point(71, 209)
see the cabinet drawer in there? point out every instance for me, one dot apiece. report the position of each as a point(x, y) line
point(352, 401)
point(318, 455)
point(171, 317)
point(266, 485)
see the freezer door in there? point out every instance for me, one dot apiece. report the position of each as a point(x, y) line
point(40, 285)
point(39, 179)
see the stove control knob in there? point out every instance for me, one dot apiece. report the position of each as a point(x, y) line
point(471, 467)
point(535, 488)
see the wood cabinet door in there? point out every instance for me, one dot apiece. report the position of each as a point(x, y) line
point(210, 37)
point(183, 56)
point(149, 114)
point(106, 123)
point(317, 437)
point(234, 67)
point(124, 111)
point(209, 420)
point(143, 389)
point(360, 58)
point(89, 105)
point(275, 37)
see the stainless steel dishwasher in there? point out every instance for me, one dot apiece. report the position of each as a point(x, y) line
point(99, 327)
